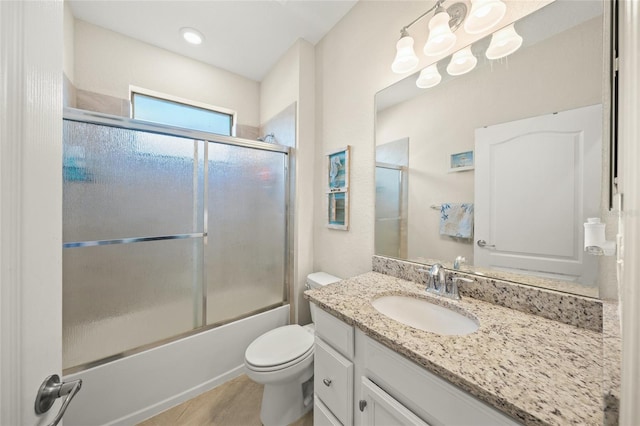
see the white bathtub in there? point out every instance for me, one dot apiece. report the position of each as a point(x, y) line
point(134, 388)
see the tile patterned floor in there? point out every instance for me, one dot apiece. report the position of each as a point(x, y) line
point(236, 403)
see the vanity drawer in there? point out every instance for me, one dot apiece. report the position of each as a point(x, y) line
point(333, 381)
point(322, 416)
point(335, 332)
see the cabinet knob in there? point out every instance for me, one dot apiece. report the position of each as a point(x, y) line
point(362, 404)
point(327, 382)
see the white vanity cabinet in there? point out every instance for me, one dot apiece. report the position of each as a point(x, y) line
point(360, 381)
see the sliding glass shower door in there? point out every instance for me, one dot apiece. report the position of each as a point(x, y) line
point(391, 207)
point(165, 234)
point(245, 251)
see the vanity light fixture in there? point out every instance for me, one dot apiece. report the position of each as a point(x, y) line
point(191, 35)
point(406, 59)
point(484, 15)
point(441, 35)
point(462, 62)
point(504, 43)
point(429, 77)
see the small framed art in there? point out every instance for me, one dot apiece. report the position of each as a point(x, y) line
point(338, 189)
point(461, 161)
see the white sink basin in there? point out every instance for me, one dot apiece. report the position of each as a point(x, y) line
point(423, 315)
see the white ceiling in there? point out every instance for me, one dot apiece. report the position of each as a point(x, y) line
point(246, 37)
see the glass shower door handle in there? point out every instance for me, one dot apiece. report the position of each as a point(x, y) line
point(50, 390)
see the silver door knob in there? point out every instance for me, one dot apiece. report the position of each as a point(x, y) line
point(327, 382)
point(51, 389)
point(483, 243)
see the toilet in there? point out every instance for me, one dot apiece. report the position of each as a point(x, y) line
point(282, 360)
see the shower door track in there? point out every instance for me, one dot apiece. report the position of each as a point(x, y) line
point(83, 116)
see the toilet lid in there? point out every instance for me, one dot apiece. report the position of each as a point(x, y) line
point(279, 346)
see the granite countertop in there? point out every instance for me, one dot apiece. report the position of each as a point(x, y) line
point(538, 371)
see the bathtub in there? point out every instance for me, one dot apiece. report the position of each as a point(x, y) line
point(132, 389)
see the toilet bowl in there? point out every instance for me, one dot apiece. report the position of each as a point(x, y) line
point(282, 360)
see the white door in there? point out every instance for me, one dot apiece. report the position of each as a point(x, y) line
point(536, 182)
point(30, 205)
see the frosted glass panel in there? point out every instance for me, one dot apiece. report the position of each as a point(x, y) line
point(119, 297)
point(121, 294)
point(388, 211)
point(122, 183)
point(245, 253)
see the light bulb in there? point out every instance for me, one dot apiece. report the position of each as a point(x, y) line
point(429, 77)
point(504, 43)
point(462, 62)
point(484, 15)
point(406, 59)
point(441, 39)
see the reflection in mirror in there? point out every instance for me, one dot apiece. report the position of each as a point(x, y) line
point(392, 160)
point(535, 123)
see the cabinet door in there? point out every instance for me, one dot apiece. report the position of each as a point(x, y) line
point(322, 416)
point(380, 409)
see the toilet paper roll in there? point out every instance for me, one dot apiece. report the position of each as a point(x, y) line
point(594, 233)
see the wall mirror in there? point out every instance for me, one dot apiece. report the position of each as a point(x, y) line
point(536, 124)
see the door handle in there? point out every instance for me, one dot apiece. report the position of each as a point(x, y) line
point(50, 390)
point(483, 244)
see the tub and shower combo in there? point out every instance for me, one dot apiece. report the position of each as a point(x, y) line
point(175, 258)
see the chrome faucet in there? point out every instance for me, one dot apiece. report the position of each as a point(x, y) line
point(437, 279)
point(454, 293)
point(459, 261)
point(438, 282)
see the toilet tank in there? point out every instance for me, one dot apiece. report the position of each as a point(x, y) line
point(317, 280)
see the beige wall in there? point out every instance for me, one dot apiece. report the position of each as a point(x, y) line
point(107, 63)
point(69, 35)
point(291, 80)
point(280, 87)
point(537, 80)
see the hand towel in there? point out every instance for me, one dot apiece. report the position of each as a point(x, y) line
point(456, 220)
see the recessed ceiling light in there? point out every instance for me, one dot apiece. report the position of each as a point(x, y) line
point(191, 35)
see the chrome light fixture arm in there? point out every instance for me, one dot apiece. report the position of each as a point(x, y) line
point(404, 29)
point(457, 12)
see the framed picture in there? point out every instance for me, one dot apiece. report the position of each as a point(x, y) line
point(338, 189)
point(461, 161)
point(338, 210)
point(338, 169)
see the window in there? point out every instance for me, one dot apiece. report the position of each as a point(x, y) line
point(164, 109)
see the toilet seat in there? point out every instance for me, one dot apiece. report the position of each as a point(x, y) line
point(308, 354)
point(279, 348)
